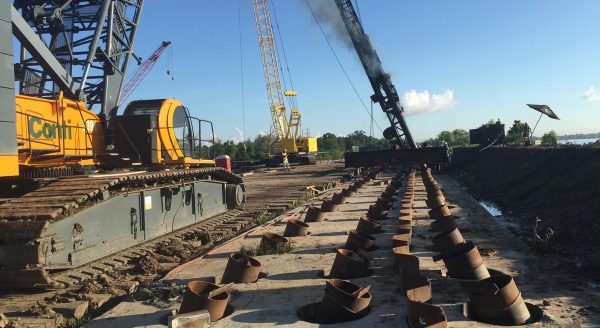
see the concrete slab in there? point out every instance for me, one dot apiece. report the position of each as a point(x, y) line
point(292, 280)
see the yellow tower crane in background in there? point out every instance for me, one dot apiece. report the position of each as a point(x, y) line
point(288, 132)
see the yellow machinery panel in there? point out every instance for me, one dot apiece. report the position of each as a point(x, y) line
point(9, 166)
point(56, 132)
point(309, 144)
point(289, 145)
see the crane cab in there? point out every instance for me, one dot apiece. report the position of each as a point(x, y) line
point(161, 132)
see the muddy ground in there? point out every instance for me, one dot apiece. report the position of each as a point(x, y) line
point(559, 186)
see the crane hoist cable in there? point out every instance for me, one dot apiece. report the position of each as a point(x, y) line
point(242, 70)
point(341, 65)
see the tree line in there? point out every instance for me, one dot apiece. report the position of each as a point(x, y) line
point(330, 146)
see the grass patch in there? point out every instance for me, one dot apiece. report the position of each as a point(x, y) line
point(546, 242)
point(266, 217)
point(76, 323)
point(267, 250)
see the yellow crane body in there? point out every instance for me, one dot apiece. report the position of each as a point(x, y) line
point(63, 133)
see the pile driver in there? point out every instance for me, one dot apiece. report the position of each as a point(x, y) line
point(405, 150)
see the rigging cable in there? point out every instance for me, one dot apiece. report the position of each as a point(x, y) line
point(292, 101)
point(285, 60)
point(242, 71)
point(340, 64)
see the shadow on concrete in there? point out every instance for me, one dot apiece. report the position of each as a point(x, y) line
point(343, 220)
point(330, 234)
point(274, 306)
point(298, 275)
point(320, 251)
point(134, 320)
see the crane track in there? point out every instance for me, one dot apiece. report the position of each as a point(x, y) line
point(208, 231)
point(211, 231)
point(24, 220)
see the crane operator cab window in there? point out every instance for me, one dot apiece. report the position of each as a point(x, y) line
point(183, 131)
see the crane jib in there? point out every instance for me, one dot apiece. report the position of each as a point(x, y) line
point(385, 92)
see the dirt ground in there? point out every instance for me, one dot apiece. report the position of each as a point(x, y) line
point(559, 186)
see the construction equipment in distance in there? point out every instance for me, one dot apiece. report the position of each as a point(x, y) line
point(288, 132)
point(386, 96)
point(80, 185)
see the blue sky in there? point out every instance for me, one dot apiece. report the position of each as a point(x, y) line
point(456, 64)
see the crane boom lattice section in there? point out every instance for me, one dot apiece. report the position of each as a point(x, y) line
point(270, 64)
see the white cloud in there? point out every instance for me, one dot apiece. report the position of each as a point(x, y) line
point(423, 102)
point(591, 95)
point(240, 135)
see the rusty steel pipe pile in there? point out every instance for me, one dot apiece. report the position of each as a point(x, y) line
point(493, 296)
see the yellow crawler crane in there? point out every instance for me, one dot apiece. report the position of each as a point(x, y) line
point(288, 132)
point(76, 186)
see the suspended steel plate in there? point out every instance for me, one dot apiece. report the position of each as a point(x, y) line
point(544, 110)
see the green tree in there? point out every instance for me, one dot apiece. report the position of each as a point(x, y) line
point(518, 133)
point(231, 149)
point(550, 138)
point(328, 141)
point(455, 138)
point(262, 146)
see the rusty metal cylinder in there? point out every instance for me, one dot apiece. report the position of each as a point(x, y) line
point(197, 298)
point(347, 192)
point(295, 228)
point(314, 214)
point(446, 240)
point(329, 206)
point(463, 261)
point(439, 213)
point(376, 212)
point(405, 211)
point(360, 240)
point(443, 225)
point(497, 300)
point(343, 292)
point(339, 303)
point(434, 193)
point(241, 269)
point(406, 263)
point(349, 265)
point(400, 247)
point(416, 287)
point(369, 226)
point(435, 202)
point(404, 224)
point(402, 234)
point(338, 198)
point(432, 189)
point(383, 203)
point(272, 240)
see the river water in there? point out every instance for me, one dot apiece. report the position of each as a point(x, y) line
point(576, 141)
